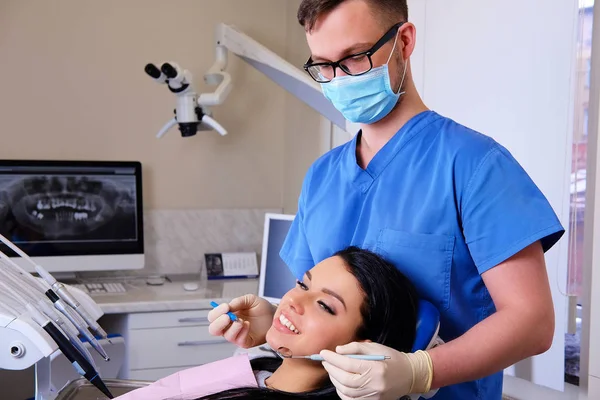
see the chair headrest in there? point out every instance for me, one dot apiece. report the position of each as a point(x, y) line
point(428, 322)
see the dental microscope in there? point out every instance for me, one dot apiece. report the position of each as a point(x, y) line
point(191, 113)
point(39, 317)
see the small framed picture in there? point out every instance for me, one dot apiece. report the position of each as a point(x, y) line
point(231, 265)
point(214, 265)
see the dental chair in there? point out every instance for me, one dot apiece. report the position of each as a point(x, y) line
point(428, 327)
point(428, 323)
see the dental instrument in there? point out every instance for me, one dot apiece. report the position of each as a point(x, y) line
point(42, 303)
point(58, 287)
point(79, 362)
point(78, 322)
point(76, 315)
point(23, 306)
point(231, 315)
point(68, 330)
point(284, 352)
point(73, 317)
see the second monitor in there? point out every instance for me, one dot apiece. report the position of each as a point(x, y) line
point(276, 279)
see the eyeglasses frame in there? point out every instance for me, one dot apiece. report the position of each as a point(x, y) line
point(338, 64)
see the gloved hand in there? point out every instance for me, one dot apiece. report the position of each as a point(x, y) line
point(255, 316)
point(401, 375)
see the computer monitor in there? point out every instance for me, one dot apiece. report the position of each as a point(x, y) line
point(73, 216)
point(275, 276)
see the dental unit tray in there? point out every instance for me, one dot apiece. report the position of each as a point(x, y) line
point(44, 322)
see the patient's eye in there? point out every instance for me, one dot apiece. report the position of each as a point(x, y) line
point(302, 285)
point(326, 307)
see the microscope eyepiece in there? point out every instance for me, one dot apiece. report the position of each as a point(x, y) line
point(152, 70)
point(169, 70)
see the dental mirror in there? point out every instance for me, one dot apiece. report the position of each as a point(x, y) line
point(284, 352)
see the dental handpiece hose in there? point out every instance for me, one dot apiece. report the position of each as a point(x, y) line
point(78, 322)
point(72, 335)
point(18, 281)
point(77, 317)
point(58, 287)
point(68, 312)
point(27, 304)
point(77, 360)
point(31, 297)
point(64, 294)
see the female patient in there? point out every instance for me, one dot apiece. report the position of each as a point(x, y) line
point(354, 295)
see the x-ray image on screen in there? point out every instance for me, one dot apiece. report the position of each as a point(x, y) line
point(68, 208)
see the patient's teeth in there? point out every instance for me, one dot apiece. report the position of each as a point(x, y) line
point(285, 322)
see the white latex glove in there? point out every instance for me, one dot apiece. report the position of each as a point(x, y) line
point(255, 316)
point(401, 375)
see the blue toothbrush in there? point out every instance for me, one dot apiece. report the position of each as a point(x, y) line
point(232, 316)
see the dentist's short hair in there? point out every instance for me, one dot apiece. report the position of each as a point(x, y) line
point(390, 11)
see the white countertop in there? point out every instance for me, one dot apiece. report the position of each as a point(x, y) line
point(171, 296)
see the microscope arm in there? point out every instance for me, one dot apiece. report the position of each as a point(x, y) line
point(217, 75)
point(276, 68)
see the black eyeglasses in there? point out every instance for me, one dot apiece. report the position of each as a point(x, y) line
point(354, 64)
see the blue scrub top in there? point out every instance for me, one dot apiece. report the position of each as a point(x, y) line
point(442, 202)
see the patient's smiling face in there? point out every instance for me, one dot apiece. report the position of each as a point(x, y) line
point(324, 309)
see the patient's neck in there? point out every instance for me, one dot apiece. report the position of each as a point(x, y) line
point(295, 375)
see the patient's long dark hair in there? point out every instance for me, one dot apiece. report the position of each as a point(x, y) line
point(389, 315)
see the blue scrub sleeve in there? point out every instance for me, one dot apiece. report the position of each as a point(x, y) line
point(295, 251)
point(503, 211)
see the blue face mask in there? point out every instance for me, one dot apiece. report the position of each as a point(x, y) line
point(364, 99)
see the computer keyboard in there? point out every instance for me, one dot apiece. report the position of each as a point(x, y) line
point(101, 287)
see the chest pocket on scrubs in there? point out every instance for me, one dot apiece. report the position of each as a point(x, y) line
point(425, 259)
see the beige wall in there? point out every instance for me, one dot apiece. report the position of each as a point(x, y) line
point(73, 87)
point(307, 133)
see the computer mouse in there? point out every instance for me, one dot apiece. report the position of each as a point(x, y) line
point(190, 286)
point(155, 280)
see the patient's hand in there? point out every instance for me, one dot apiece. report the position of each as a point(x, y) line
point(255, 316)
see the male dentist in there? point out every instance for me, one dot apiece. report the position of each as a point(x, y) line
point(449, 206)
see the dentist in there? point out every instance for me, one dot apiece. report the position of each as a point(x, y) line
point(447, 205)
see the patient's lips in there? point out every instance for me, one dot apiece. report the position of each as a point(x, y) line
point(283, 324)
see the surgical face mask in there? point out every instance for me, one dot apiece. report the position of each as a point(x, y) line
point(367, 98)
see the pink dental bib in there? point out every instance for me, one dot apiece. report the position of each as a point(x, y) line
point(189, 384)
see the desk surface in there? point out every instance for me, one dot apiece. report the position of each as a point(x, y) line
point(171, 296)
